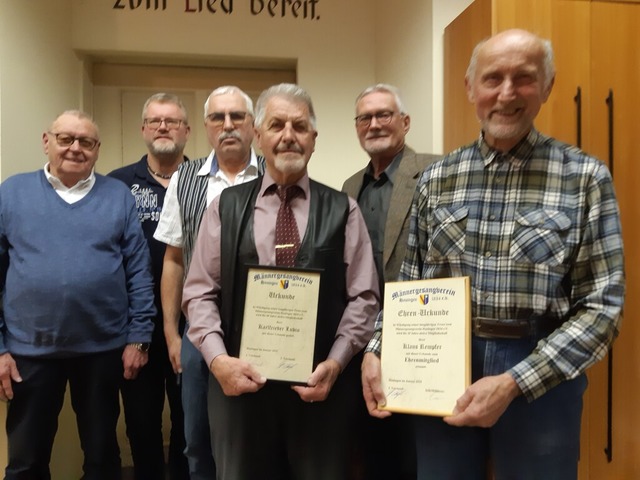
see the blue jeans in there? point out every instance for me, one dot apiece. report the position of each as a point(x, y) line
point(533, 440)
point(195, 384)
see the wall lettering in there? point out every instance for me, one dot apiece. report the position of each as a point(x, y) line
point(284, 8)
point(300, 9)
point(145, 4)
point(197, 6)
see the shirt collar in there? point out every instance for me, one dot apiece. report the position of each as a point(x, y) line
point(268, 182)
point(57, 184)
point(518, 155)
point(390, 171)
point(211, 166)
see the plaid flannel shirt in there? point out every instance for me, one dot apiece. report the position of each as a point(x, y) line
point(538, 231)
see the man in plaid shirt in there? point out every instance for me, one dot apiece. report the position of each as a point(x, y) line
point(534, 223)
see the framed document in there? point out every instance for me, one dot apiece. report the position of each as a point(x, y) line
point(426, 345)
point(279, 326)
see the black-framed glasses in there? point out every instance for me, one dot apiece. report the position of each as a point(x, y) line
point(218, 118)
point(171, 123)
point(66, 140)
point(383, 118)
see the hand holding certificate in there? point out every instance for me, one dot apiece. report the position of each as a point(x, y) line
point(279, 327)
point(426, 339)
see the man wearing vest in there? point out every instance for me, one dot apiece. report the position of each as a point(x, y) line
point(228, 119)
point(260, 428)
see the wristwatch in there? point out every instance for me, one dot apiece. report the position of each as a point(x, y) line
point(141, 347)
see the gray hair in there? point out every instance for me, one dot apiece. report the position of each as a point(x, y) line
point(78, 114)
point(165, 98)
point(386, 88)
point(226, 90)
point(548, 64)
point(290, 91)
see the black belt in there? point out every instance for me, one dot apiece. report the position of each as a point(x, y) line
point(491, 328)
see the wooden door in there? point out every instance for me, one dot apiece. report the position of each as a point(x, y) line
point(615, 68)
point(460, 37)
point(564, 22)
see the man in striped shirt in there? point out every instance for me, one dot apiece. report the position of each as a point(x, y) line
point(228, 119)
point(534, 223)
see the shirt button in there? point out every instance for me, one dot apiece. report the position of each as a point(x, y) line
point(492, 217)
point(487, 254)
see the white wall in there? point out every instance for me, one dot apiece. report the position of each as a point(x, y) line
point(40, 77)
point(403, 59)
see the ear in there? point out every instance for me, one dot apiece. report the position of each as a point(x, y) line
point(547, 91)
point(257, 137)
point(469, 88)
point(406, 123)
point(45, 143)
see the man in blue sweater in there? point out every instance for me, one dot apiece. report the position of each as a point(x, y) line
point(77, 301)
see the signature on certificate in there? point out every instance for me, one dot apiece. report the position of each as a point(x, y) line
point(286, 366)
point(395, 392)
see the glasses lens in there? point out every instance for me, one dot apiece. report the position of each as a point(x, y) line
point(172, 123)
point(237, 117)
point(384, 117)
point(218, 118)
point(64, 140)
point(363, 120)
point(87, 143)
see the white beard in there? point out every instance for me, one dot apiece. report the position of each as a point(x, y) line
point(289, 166)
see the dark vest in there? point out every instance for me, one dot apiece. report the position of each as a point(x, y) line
point(322, 248)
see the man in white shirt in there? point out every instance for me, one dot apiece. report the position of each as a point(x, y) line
point(228, 118)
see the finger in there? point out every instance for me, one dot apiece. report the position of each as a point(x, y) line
point(6, 391)
point(307, 394)
point(380, 413)
point(15, 374)
point(256, 377)
point(458, 420)
point(127, 372)
point(246, 385)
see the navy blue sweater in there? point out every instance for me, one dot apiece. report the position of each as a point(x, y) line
point(75, 278)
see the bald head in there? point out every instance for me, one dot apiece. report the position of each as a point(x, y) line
point(516, 39)
point(510, 76)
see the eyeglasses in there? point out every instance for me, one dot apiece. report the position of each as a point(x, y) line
point(383, 118)
point(218, 118)
point(66, 140)
point(170, 123)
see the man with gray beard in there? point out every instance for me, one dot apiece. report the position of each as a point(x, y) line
point(165, 131)
point(228, 120)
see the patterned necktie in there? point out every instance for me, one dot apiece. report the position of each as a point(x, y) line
point(287, 236)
